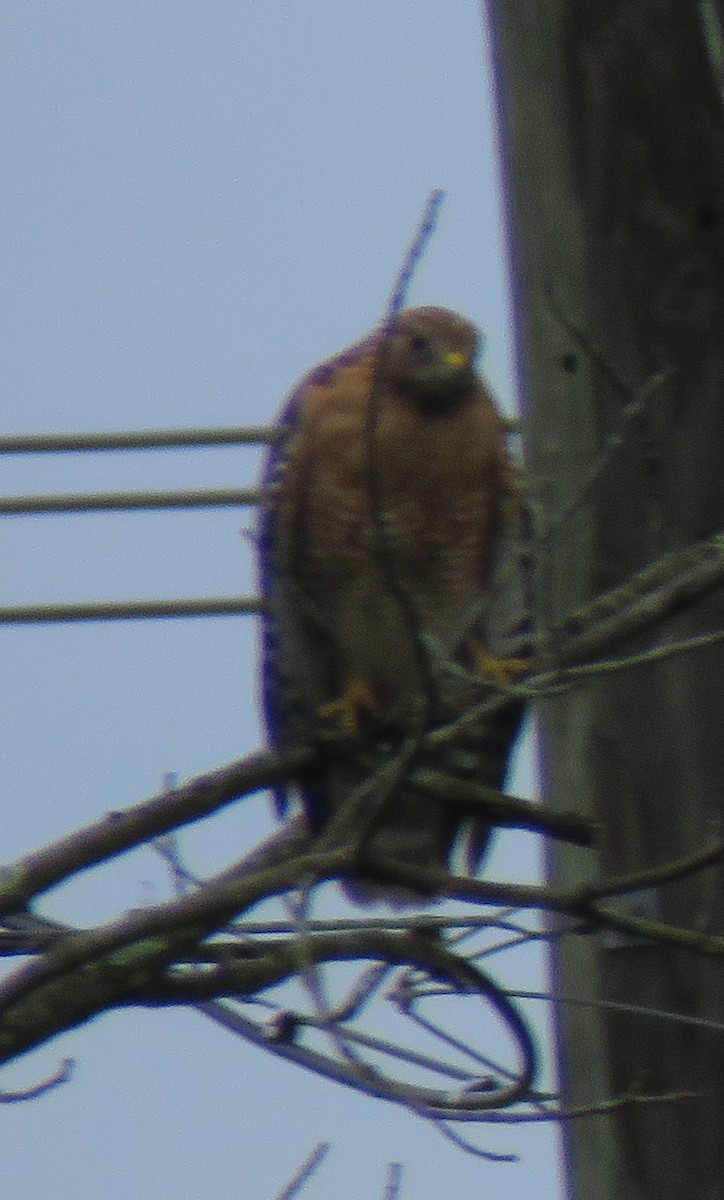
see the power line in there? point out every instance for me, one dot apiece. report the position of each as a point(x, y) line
point(36, 614)
point(129, 610)
point(127, 501)
point(144, 439)
point(150, 439)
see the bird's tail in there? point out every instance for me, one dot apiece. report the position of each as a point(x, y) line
point(420, 819)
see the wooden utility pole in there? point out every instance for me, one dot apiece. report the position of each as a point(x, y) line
point(612, 122)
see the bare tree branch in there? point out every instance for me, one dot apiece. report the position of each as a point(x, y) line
point(63, 1075)
point(311, 1164)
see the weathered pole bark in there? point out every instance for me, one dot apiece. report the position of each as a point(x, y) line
point(612, 121)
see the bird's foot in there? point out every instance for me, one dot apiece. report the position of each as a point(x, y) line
point(350, 709)
point(501, 671)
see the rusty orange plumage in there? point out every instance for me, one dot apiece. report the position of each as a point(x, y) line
point(387, 500)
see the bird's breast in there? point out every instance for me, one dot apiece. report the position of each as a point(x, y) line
point(413, 496)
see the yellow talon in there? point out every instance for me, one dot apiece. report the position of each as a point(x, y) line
point(350, 707)
point(503, 671)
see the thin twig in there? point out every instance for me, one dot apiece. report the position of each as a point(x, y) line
point(651, 877)
point(463, 1144)
point(62, 1075)
point(417, 247)
point(311, 1164)
point(623, 1006)
point(383, 548)
point(590, 1110)
point(311, 977)
point(393, 1183)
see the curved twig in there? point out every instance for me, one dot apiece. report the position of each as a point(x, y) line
point(431, 957)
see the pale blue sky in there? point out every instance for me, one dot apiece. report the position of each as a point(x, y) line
point(198, 202)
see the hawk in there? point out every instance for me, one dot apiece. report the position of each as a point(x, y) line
point(389, 540)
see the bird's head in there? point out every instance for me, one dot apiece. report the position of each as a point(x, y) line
point(430, 353)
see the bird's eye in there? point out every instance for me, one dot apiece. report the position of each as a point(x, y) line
point(419, 344)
